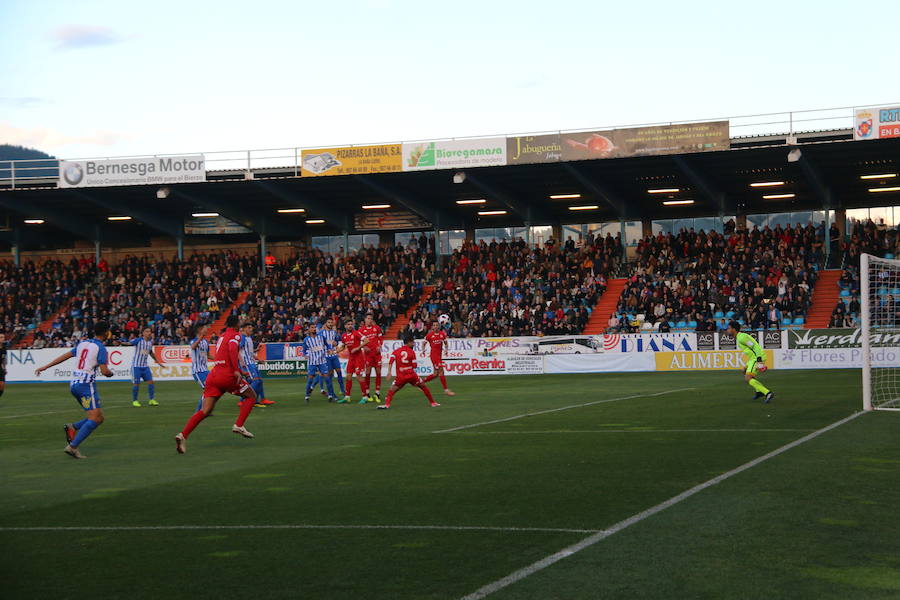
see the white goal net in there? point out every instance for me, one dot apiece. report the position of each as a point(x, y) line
point(880, 321)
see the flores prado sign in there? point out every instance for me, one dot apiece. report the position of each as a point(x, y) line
point(132, 171)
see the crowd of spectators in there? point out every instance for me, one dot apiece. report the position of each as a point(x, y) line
point(169, 296)
point(700, 280)
point(864, 237)
point(512, 288)
point(312, 286)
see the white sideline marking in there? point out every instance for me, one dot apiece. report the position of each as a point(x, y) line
point(626, 431)
point(552, 410)
point(602, 535)
point(300, 526)
point(52, 412)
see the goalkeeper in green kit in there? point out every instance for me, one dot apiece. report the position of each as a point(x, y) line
point(756, 361)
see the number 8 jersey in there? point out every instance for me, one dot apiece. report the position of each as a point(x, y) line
point(89, 355)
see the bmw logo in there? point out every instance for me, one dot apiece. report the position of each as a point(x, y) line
point(73, 173)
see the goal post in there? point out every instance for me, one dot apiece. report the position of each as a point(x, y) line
point(880, 332)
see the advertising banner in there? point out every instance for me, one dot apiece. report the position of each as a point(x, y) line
point(132, 171)
point(646, 141)
point(599, 363)
point(876, 123)
point(282, 368)
point(713, 360)
point(384, 220)
point(352, 160)
point(454, 154)
point(530, 149)
point(212, 226)
point(172, 366)
point(837, 338)
point(835, 358)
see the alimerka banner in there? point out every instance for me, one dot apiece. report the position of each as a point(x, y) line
point(353, 160)
point(646, 141)
point(876, 123)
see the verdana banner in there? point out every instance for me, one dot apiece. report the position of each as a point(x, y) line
point(152, 170)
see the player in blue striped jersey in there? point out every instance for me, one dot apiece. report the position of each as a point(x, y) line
point(248, 358)
point(315, 351)
point(91, 356)
point(140, 367)
point(332, 339)
point(200, 356)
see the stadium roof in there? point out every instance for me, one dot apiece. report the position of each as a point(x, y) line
point(826, 173)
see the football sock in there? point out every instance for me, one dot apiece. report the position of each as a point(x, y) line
point(348, 387)
point(192, 423)
point(246, 407)
point(261, 393)
point(330, 387)
point(390, 396)
point(134, 392)
point(429, 378)
point(200, 403)
point(443, 381)
point(80, 423)
point(151, 390)
point(759, 387)
point(378, 382)
point(340, 378)
point(85, 430)
point(427, 393)
point(310, 384)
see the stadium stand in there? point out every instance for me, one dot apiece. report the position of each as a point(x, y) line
point(509, 288)
point(313, 285)
point(699, 280)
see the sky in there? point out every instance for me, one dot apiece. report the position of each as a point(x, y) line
point(92, 79)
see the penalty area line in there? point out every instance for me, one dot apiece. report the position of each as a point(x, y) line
point(297, 526)
point(637, 518)
point(570, 407)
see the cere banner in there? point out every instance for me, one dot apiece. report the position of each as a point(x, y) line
point(876, 123)
point(646, 141)
point(454, 154)
point(132, 171)
point(352, 160)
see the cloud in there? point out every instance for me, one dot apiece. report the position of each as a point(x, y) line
point(46, 139)
point(21, 101)
point(71, 37)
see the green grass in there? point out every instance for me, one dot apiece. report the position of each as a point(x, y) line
point(815, 522)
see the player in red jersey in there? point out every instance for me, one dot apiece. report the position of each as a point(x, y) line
point(372, 349)
point(437, 340)
point(356, 360)
point(405, 357)
point(225, 377)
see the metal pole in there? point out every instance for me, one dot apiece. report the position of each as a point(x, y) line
point(346, 243)
point(438, 249)
point(262, 254)
point(827, 235)
point(97, 252)
point(16, 249)
point(180, 242)
point(622, 236)
point(528, 233)
point(12, 171)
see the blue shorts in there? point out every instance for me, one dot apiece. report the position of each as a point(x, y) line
point(86, 395)
point(254, 372)
point(201, 378)
point(141, 373)
point(333, 363)
point(313, 369)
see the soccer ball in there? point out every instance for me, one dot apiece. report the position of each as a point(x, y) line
point(444, 319)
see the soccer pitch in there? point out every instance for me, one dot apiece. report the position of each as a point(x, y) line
point(334, 501)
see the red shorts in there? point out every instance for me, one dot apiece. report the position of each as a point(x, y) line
point(355, 365)
point(404, 378)
point(437, 361)
point(373, 360)
point(219, 383)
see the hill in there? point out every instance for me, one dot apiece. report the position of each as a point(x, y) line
point(9, 152)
